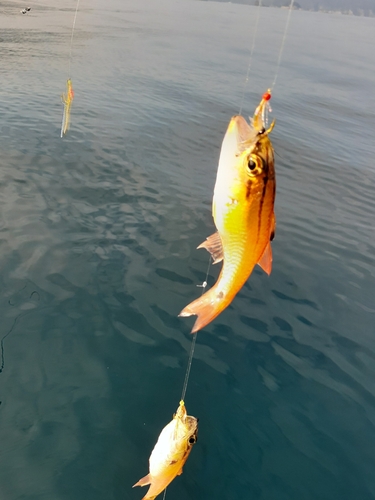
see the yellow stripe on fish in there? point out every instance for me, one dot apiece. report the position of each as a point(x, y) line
point(243, 213)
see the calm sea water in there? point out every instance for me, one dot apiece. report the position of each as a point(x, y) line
point(98, 236)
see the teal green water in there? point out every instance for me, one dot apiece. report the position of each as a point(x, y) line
point(98, 237)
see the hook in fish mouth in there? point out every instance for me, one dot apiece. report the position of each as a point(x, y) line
point(250, 133)
point(259, 120)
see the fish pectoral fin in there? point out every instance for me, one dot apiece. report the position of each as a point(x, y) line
point(213, 245)
point(265, 262)
point(144, 481)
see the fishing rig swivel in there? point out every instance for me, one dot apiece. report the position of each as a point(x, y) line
point(192, 348)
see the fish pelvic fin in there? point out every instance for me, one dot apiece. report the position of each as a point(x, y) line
point(144, 481)
point(213, 245)
point(207, 308)
point(265, 262)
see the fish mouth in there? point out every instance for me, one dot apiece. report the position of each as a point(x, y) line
point(249, 135)
point(194, 437)
point(240, 135)
point(181, 412)
point(241, 129)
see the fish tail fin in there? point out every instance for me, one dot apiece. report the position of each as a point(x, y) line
point(206, 307)
point(144, 481)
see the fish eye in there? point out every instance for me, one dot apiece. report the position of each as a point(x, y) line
point(254, 165)
point(192, 440)
point(251, 164)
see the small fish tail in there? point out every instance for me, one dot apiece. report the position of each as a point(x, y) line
point(144, 481)
point(207, 308)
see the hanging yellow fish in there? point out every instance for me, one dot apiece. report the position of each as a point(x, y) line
point(243, 212)
point(67, 100)
point(170, 452)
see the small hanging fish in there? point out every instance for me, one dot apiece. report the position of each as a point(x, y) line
point(67, 100)
point(170, 452)
point(243, 212)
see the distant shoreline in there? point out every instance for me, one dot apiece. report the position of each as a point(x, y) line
point(359, 12)
point(346, 12)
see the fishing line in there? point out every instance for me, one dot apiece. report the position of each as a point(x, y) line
point(253, 47)
point(283, 43)
point(251, 56)
point(192, 348)
point(71, 38)
point(187, 375)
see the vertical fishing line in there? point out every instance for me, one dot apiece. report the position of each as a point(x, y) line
point(187, 375)
point(251, 56)
point(189, 365)
point(71, 38)
point(192, 348)
point(283, 43)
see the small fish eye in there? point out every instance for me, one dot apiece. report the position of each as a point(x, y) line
point(192, 440)
point(251, 164)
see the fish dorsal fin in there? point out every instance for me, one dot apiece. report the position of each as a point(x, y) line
point(213, 245)
point(144, 481)
point(265, 262)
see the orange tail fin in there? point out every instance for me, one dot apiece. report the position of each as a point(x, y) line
point(207, 308)
point(144, 481)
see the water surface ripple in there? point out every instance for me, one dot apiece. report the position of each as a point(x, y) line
point(98, 237)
